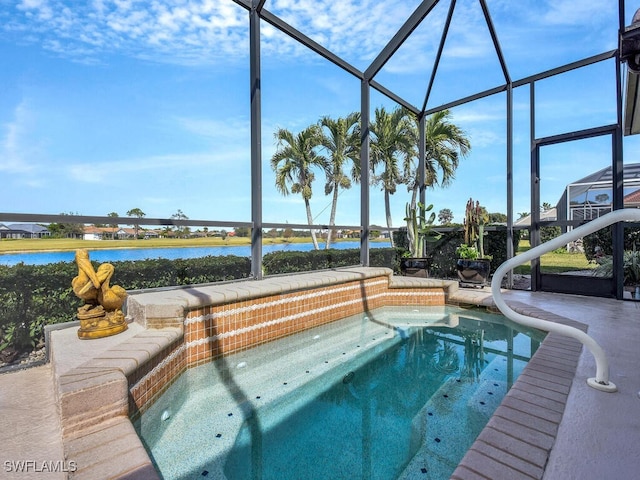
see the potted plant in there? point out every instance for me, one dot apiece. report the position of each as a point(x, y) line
point(420, 231)
point(472, 265)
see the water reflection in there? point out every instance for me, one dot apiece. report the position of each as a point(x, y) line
point(369, 423)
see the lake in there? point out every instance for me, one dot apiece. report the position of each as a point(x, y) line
point(123, 254)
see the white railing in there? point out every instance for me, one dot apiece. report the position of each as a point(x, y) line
point(601, 380)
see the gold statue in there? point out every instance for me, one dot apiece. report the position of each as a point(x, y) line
point(101, 315)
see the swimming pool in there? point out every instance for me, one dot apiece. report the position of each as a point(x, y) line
point(394, 393)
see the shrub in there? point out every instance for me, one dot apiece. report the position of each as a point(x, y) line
point(277, 263)
point(154, 273)
point(549, 233)
point(630, 267)
point(32, 296)
point(603, 239)
point(497, 245)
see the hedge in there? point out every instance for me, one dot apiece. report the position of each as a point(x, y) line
point(443, 252)
point(604, 239)
point(32, 296)
point(277, 263)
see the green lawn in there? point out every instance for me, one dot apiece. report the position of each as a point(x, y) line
point(555, 262)
point(66, 244)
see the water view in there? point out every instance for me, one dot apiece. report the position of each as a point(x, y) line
point(124, 254)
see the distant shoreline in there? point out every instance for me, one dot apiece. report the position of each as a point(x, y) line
point(11, 246)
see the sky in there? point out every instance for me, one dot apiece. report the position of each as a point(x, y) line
point(111, 105)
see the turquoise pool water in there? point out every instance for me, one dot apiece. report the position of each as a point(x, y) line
point(395, 393)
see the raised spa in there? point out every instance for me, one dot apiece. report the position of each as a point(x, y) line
point(393, 393)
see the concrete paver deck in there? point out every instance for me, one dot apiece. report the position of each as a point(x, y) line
point(30, 426)
point(600, 432)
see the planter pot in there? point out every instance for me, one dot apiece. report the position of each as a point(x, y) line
point(415, 267)
point(473, 272)
point(632, 291)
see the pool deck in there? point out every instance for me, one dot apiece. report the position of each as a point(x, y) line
point(597, 435)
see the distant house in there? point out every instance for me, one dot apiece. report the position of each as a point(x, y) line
point(592, 196)
point(103, 233)
point(550, 215)
point(126, 233)
point(23, 230)
point(632, 200)
point(96, 233)
point(350, 234)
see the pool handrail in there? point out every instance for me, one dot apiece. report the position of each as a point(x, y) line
point(601, 380)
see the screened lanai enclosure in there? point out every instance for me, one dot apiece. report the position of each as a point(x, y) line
point(191, 96)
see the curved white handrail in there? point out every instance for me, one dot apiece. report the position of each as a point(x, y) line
point(601, 380)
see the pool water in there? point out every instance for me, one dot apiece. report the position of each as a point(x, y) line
point(395, 393)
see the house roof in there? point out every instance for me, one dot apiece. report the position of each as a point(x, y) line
point(633, 197)
point(630, 171)
point(547, 215)
point(92, 229)
point(27, 227)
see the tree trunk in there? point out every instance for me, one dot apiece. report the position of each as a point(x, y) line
point(332, 217)
point(310, 222)
point(387, 211)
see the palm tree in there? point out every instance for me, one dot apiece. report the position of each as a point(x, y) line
point(392, 143)
point(292, 163)
point(136, 212)
point(341, 139)
point(114, 226)
point(445, 143)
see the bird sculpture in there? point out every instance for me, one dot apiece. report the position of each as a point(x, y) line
point(101, 315)
point(110, 297)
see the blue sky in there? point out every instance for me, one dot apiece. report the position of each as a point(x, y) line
point(109, 105)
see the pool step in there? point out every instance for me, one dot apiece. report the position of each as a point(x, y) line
point(438, 443)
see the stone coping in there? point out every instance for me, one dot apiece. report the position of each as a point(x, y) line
point(93, 399)
point(161, 308)
point(515, 444)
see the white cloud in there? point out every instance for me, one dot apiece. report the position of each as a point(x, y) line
point(533, 13)
point(38, 8)
point(570, 12)
point(14, 149)
point(481, 138)
point(226, 130)
point(349, 28)
point(106, 172)
point(162, 30)
point(199, 31)
point(204, 31)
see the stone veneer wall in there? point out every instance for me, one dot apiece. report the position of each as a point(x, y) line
point(219, 329)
